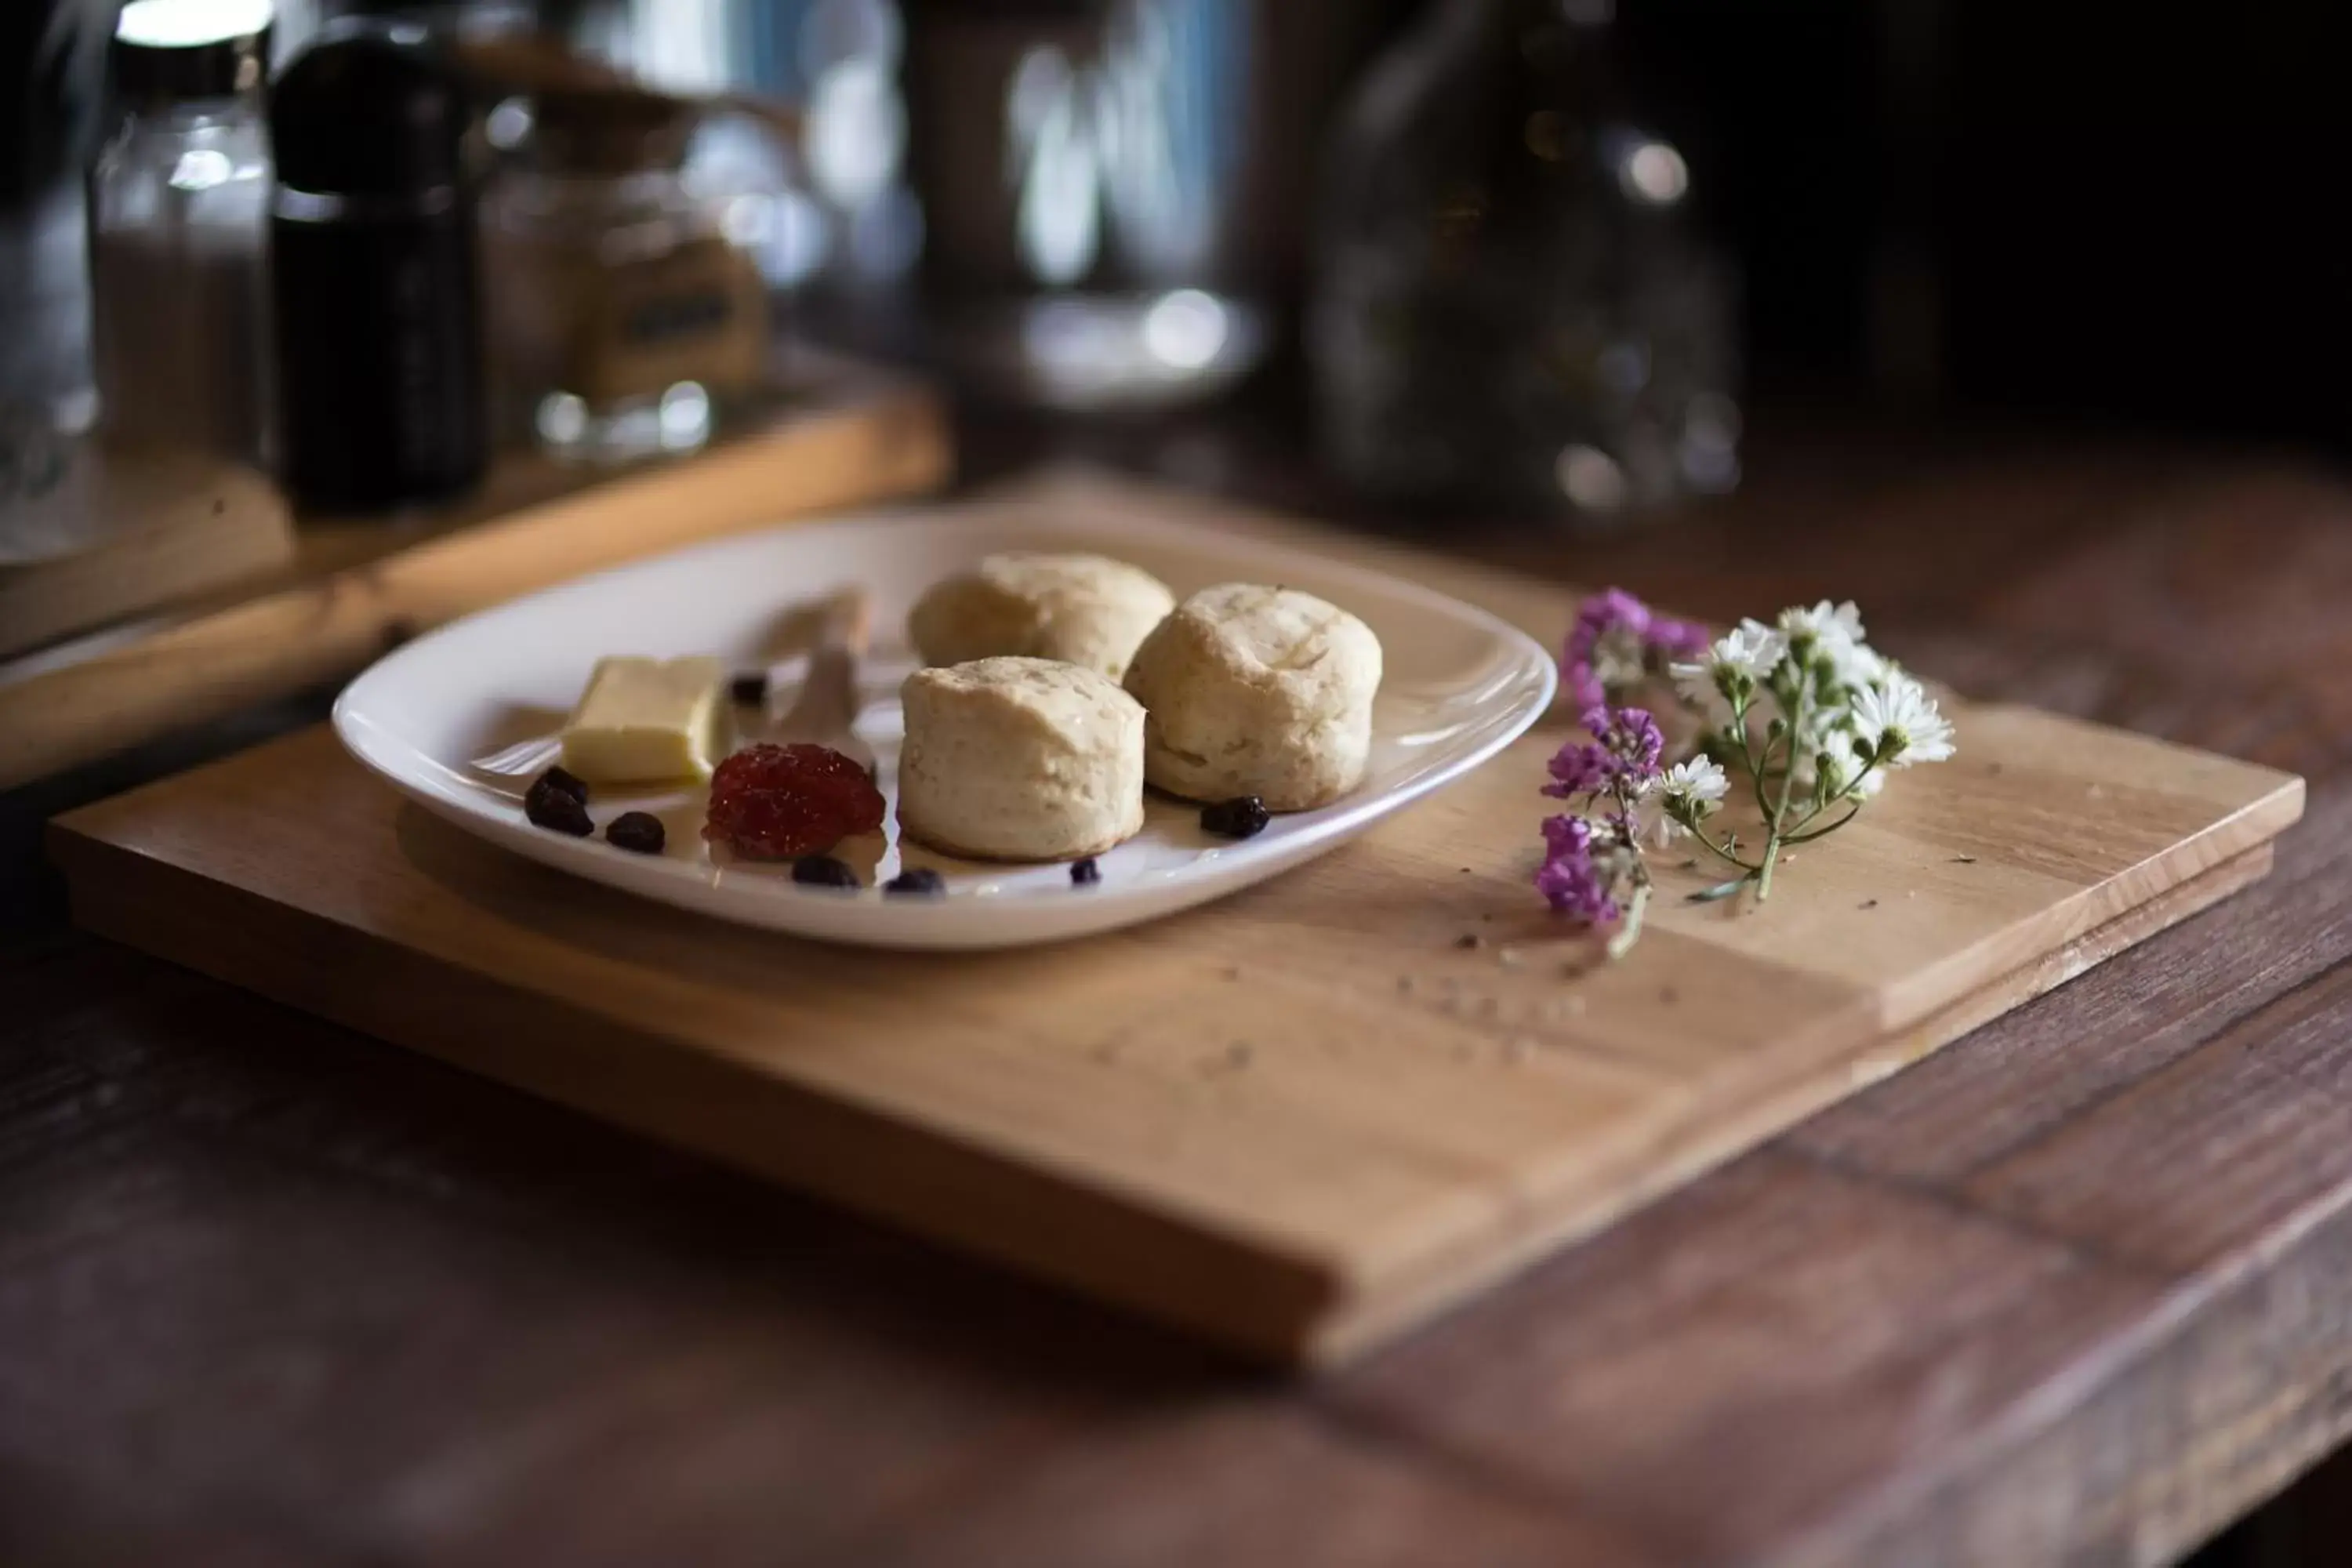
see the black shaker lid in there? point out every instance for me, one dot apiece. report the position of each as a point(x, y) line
point(176, 50)
point(369, 110)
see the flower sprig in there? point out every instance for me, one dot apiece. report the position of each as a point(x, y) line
point(1592, 865)
point(1804, 711)
point(1815, 719)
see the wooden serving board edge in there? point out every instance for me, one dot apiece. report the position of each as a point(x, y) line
point(1288, 1310)
point(376, 583)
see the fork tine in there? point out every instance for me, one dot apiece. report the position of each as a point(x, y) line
point(523, 757)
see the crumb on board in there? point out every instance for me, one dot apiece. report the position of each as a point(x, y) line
point(1509, 958)
point(1468, 939)
point(1867, 904)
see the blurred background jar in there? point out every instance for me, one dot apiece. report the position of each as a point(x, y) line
point(178, 214)
point(1514, 306)
point(1113, 193)
point(627, 307)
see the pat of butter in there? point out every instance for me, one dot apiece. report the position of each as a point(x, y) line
point(645, 721)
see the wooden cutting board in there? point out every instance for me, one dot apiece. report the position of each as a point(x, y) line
point(1297, 1121)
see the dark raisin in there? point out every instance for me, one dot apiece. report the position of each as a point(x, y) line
point(564, 782)
point(1085, 873)
point(1244, 817)
point(918, 879)
point(822, 871)
point(638, 831)
point(550, 808)
point(749, 690)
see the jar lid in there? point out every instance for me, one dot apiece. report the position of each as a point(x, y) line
point(174, 51)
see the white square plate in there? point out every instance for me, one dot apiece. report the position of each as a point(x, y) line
point(1459, 685)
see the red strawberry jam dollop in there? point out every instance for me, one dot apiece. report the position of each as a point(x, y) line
point(779, 802)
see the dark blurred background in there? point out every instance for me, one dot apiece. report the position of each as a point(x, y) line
point(2098, 211)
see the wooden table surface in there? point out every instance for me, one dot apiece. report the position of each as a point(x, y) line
point(2078, 1288)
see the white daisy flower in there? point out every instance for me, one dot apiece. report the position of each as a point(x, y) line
point(1859, 664)
point(1832, 626)
point(1750, 649)
point(1697, 784)
point(1697, 686)
point(1693, 789)
point(1899, 720)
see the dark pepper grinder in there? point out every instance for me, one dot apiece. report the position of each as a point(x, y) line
point(372, 269)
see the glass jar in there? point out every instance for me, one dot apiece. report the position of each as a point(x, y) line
point(1513, 307)
point(178, 209)
point(626, 315)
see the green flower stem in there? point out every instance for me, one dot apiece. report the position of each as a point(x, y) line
point(1628, 932)
point(1853, 809)
point(1719, 852)
point(1825, 832)
point(1779, 808)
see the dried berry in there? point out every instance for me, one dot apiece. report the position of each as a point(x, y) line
point(1085, 873)
point(918, 879)
point(548, 805)
point(822, 871)
point(638, 831)
point(779, 802)
point(566, 782)
point(1244, 817)
point(749, 690)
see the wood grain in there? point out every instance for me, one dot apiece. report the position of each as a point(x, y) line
point(1297, 1122)
point(356, 587)
point(273, 1293)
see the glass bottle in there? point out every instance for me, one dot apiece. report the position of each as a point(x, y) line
point(1513, 307)
point(178, 205)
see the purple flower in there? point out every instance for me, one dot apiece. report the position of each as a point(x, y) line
point(1630, 735)
point(1569, 879)
point(1610, 627)
point(1617, 642)
point(1580, 768)
point(1684, 640)
point(1623, 754)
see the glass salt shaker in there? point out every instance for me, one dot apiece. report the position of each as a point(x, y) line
point(178, 205)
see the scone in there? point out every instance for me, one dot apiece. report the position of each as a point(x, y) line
point(1020, 759)
point(1255, 691)
point(1081, 609)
